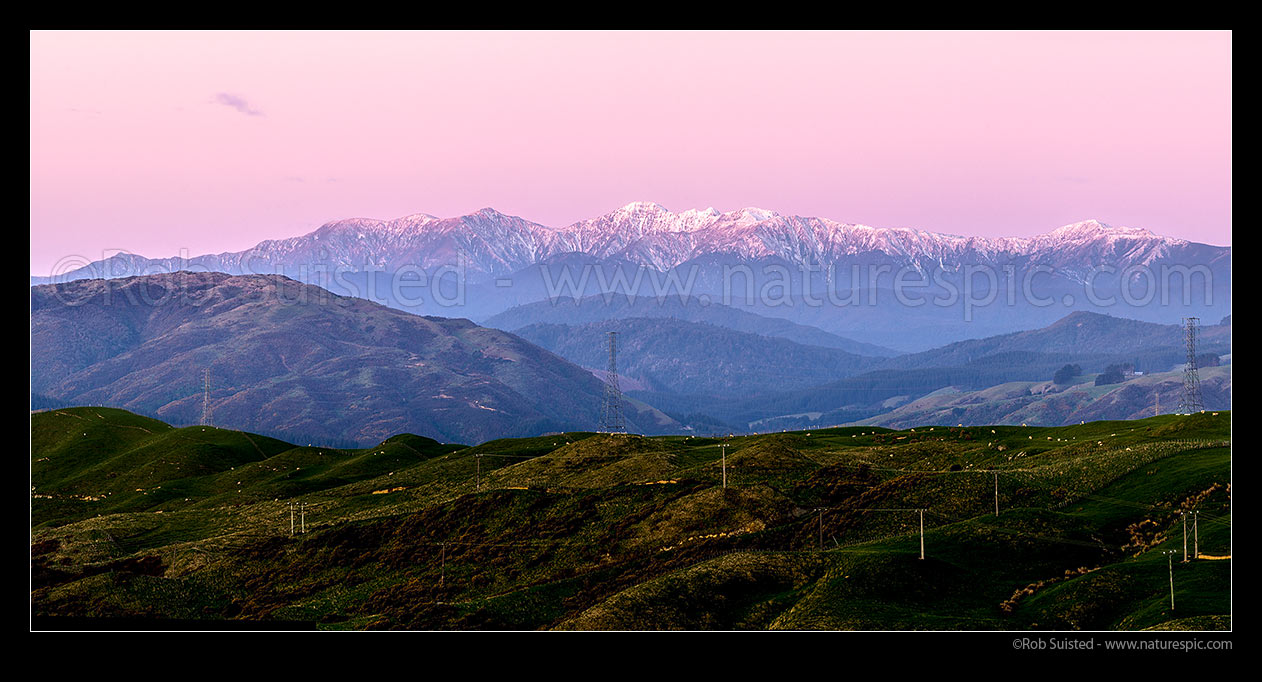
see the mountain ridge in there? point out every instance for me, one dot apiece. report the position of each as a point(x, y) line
point(572, 311)
point(680, 356)
point(286, 357)
point(1079, 332)
point(644, 233)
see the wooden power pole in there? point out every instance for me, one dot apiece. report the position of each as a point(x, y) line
point(1170, 565)
point(922, 534)
point(1196, 536)
point(1185, 537)
point(996, 493)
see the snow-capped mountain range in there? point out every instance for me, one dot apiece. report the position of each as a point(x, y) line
point(491, 244)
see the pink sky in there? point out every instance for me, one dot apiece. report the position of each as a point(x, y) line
point(206, 142)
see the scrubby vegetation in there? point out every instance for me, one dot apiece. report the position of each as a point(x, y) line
point(132, 518)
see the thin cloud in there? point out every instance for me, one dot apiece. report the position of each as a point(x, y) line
point(238, 103)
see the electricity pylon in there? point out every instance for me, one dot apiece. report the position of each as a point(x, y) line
point(611, 414)
point(1192, 402)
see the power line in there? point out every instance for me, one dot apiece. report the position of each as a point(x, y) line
point(1037, 536)
point(1041, 470)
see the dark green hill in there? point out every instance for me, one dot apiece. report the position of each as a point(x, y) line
point(814, 530)
point(86, 460)
point(114, 451)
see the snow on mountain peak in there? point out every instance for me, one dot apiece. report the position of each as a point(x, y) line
point(1096, 229)
point(644, 207)
point(696, 219)
point(1083, 227)
point(756, 215)
point(647, 233)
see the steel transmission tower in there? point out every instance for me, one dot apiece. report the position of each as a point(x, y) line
point(1192, 402)
point(611, 413)
point(206, 398)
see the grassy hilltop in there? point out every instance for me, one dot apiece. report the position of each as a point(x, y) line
point(134, 518)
